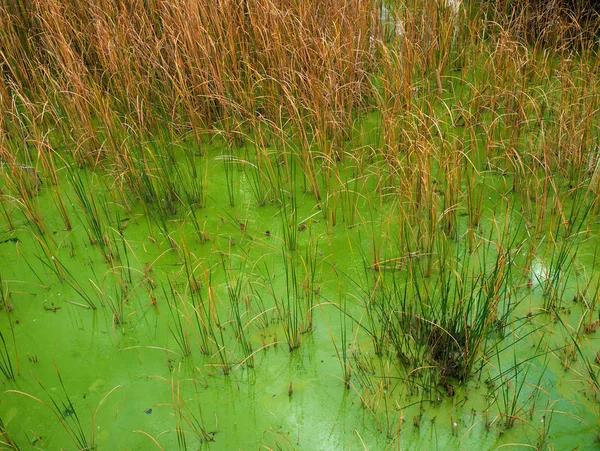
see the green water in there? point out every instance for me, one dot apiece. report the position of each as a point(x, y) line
point(128, 384)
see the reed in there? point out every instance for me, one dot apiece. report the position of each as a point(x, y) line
point(65, 412)
point(202, 316)
point(186, 415)
point(55, 266)
point(121, 294)
point(96, 215)
point(6, 365)
point(5, 438)
point(205, 312)
point(178, 326)
point(235, 294)
point(289, 308)
point(508, 389)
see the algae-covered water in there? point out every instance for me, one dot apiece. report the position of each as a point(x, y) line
point(223, 323)
point(291, 228)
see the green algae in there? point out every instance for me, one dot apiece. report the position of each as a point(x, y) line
point(169, 357)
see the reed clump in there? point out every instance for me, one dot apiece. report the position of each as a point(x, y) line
point(102, 66)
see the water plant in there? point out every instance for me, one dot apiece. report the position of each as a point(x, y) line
point(236, 293)
point(6, 366)
point(185, 415)
point(5, 438)
point(178, 326)
point(65, 412)
point(97, 220)
point(509, 391)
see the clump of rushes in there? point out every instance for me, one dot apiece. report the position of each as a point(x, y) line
point(6, 214)
point(222, 73)
point(310, 289)
point(6, 362)
point(289, 305)
point(563, 245)
point(342, 351)
point(96, 214)
point(21, 183)
point(288, 202)
point(122, 293)
point(186, 416)
point(178, 325)
point(55, 266)
point(229, 163)
point(255, 177)
point(6, 366)
point(199, 305)
point(295, 307)
point(508, 390)
point(202, 314)
point(442, 320)
point(235, 294)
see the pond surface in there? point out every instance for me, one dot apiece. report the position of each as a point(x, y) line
point(297, 324)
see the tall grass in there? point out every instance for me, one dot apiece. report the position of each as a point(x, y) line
point(228, 68)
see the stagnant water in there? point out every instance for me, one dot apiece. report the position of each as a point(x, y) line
point(117, 377)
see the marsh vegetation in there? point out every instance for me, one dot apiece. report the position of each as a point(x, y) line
point(293, 224)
